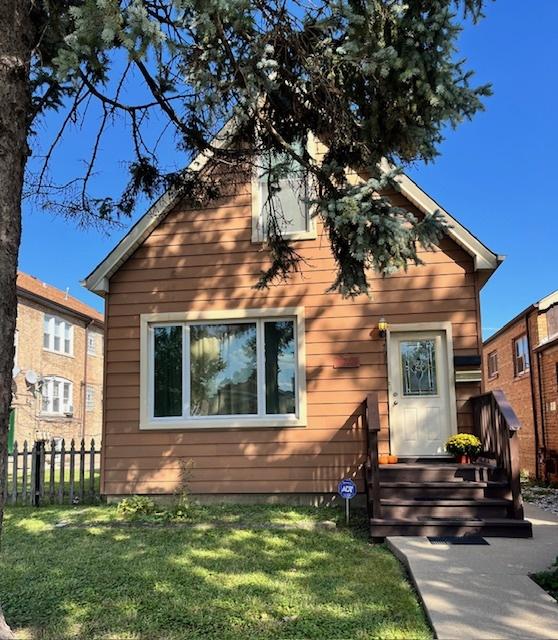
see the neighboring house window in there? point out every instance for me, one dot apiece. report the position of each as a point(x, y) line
point(492, 364)
point(58, 335)
point(290, 204)
point(56, 396)
point(521, 355)
point(91, 344)
point(90, 398)
point(552, 321)
point(235, 371)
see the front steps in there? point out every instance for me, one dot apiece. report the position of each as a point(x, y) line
point(437, 497)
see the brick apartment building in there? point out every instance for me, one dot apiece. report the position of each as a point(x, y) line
point(522, 360)
point(58, 366)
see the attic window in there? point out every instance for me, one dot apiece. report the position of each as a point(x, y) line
point(290, 205)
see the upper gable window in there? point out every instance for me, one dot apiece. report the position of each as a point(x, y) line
point(58, 335)
point(290, 205)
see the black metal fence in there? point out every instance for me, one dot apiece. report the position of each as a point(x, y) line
point(50, 473)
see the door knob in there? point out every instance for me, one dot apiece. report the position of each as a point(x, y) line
point(395, 402)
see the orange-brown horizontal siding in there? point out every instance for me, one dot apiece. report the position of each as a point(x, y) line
point(201, 259)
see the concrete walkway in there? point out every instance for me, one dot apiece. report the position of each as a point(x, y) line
point(472, 592)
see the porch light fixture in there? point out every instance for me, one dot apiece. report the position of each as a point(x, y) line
point(382, 327)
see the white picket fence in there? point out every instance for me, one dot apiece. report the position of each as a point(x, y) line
point(50, 473)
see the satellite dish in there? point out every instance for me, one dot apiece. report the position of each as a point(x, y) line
point(31, 377)
point(15, 372)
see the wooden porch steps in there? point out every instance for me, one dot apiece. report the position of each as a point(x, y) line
point(440, 498)
point(435, 496)
point(492, 527)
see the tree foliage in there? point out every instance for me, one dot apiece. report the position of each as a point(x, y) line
point(376, 81)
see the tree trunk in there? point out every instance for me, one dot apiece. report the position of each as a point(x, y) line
point(15, 109)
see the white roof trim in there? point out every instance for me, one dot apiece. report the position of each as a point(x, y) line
point(484, 258)
point(98, 280)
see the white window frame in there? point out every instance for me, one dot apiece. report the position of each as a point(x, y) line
point(93, 337)
point(89, 398)
point(526, 362)
point(65, 409)
point(258, 222)
point(492, 356)
point(52, 320)
point(149, 321)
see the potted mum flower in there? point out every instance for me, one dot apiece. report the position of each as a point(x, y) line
point(464, 446)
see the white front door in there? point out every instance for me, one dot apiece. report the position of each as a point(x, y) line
point(420, 403)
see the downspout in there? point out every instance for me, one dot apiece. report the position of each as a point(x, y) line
point(533, 396)
point(541, 400)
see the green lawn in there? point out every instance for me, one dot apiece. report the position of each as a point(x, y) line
point(548, 580)
point(95, 579)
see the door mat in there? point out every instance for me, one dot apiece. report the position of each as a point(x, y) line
point(457, 540)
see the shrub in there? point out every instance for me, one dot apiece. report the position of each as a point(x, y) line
point(136, 506)
point(463, 444)
point(548, 580)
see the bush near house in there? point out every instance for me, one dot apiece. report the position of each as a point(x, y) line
point(91, 572)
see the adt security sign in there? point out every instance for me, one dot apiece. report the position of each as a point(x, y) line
point(347, 490)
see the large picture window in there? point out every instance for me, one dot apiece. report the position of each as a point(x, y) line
point(234, 371)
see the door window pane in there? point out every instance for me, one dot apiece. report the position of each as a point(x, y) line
point(167, 350)
point(279, 367)
point(223, 369)
point(418, 366)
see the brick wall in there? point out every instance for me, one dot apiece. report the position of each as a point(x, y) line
point(30, 423)
point(549, 374)
point(516, 388)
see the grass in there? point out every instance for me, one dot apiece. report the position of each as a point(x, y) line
point(92, 579)
point(548, 580)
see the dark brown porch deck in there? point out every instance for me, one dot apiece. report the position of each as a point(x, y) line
point(427, 497)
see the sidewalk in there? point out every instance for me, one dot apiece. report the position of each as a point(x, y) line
point(472, 592)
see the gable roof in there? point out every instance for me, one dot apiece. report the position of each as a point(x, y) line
point(29, 286)
point(98, 280)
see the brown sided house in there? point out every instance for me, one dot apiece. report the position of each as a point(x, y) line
point(281, 393)
point(522, 360)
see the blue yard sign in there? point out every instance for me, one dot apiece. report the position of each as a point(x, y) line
point(347, 490)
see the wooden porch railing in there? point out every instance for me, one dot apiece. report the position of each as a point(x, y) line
point(497, 425)
point(372, 466)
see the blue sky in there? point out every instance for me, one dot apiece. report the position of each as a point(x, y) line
point(496, 174)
